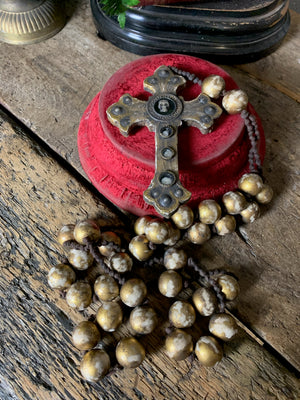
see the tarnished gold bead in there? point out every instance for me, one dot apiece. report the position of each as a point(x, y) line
point(109, 316)
point(143, 320)
point(106, 250)
point(130, 353)
point(179, 345)
point(61, 276)
point(106, 288)
point(223, 326)
point(234, 202)
point(85, 335)
point(95, 365)
point(79, 295)
point(251, 183)
point(183, 217)
point(86, 230)
point(140, 224)
point(175, 258)
point(209, 211)
point(198, 233)
point(66, 233)
point(205, 301)
point(157, 231)
point(250, 213)
point(230, 286)
point(213, 86)
point(235, 101)
point(182, 314)
point(265, 195)
point(174, 235)
point(80, 259)
point(133, 292)
point(170, 283)
point(225, 225)
point(139, 248)
point(208, 351)
point(121, 262)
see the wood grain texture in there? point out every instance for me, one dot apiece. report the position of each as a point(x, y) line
point(281, 68)
point(49, 85)
point(37, 358)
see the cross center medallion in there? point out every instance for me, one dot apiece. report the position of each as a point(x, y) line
point(163, 113)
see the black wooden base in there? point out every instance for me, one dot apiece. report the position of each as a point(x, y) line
point(245, 32)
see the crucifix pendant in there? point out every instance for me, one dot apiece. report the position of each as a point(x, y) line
point(163, 113)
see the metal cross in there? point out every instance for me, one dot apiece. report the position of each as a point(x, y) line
point(163, 113)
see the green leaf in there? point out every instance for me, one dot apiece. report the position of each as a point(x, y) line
point(130, 3)
point(122, 19)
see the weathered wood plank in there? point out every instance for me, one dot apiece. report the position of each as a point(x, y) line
point(38, 360)
point(49, 85)
point(281, 68)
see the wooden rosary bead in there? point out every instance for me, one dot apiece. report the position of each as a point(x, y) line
point(95, 365)
point(130, 353)
point(85, 335)
point(179, 345)
point(86, 230)
point(208, 351)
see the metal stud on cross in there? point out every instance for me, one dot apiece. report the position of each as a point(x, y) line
point(163, 113)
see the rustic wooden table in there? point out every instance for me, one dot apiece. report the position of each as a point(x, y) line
point(44, 90)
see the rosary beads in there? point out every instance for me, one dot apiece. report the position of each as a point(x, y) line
point(158, 243)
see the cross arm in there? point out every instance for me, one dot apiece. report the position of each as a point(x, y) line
point(127, 113)
point(201, 113)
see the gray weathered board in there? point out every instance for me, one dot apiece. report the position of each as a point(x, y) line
point(47, 86)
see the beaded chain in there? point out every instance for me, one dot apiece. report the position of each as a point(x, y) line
point(158, 249)
point(250, 124)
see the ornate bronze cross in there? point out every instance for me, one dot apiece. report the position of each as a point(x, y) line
point(163, 113)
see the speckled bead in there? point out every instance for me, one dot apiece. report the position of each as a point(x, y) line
point(95, 365)
point(235, 101)
point(80, 259)
point(157, 231)
point(251, 183)
point(140, 224)
point(143, 320)
point(183, 218)
point(130, 353)
point(250, 213)
point(234, 202)
point(139, 248)
point(170, 283)
point(213, 86)
point(86, 230)
point(225, 225)
point(133, 292)
point(265, 195)
point(109, 316)
point(175, 258)
point(179, 345)
point(66, 234)
point(205, 301)
point(79, 295)
point(182, 314)
point(106, 288)
point(108, 236)
point(61, 276)
point(208, 351)
point(230, 286)
point(85, 335)
point(209, 211)
point(223, 326)
point(198, 233)
point(121, 262)
point(174, 235)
